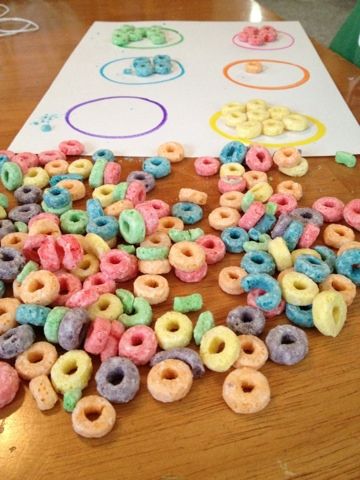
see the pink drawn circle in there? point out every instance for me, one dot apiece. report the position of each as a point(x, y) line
point(241, 44)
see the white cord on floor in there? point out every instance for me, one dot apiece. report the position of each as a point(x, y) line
point(29, 25)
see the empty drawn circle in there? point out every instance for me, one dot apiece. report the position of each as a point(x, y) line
point(284, 40)
point(118, 116)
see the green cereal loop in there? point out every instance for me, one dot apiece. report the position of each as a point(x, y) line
point(164, 30)
point(21, 227)
point(4, 202)
point(127, 299)
point(345, 158)
point(52, 323)
point(142, 315)
point(71, 398)
point(188, 303)
point(125, 28)
point(195, 233)
point(270, 208)
point(262, 244)
point(157, 38)
point(119, 191)
point(29, 267)
point(11, 176)
point(204, 323)
point(96, 177)
point(56, 211)
point(247, 200)
point(179, 235)
point(152, 253)
point(126, 248)
point(74, 221)
point(132, 226)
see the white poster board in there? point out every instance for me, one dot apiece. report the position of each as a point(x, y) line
point(94, 101)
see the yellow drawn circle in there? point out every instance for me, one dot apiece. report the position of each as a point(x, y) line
point(321, 130)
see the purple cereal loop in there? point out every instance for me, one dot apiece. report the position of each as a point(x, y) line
point(144, 177)
point(73, 328)
point(308, 215)
point(186, 355)
point(16, 341)
point(287, 344)
point(281, 225)
point(246, 320)
point(118, 380)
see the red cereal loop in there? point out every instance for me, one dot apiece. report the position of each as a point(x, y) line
point(49, 255)
point(101, 283)
point(44, 216)
point(49, 156)
point(206, 166)
point(70, 251)
point(309, 235)
point(83, 298)
point(112, 173)
point(69, 284)
point(119, 266)
point(136, 192)
point(31, 247)
point(192, 277)
point(71, 147)
point(97, 335)
point(110, 349)
point(286, 203)
point(162, 208)
point(258, 158)
point(26, 160)
point(252, 215)
point(214, 248)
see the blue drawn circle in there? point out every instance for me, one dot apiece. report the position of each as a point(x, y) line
point(104, 67)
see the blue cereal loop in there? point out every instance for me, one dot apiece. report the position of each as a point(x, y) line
point(258, 261)
point(327, 255)
point(300, 316)
point(66, 176)
point(188, 212)
point(234, 239)
point(94, 208)
point(312, 267)
point(159, 167)
point(347, 264)
point(32, 314)
point(266, 223)
point(105, 227)
point(57, 197)
point(293, 234)
point(103, 154)
point(233, 152)
point(272, 298)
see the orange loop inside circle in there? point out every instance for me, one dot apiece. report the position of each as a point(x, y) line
point(304, 79)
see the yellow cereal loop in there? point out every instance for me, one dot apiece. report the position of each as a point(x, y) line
point(96, 245)
point(295, 122)
point(234, 117)
point(329, 312)
point(258, 114)
point(76, 188)
point(88, 265)
point(107, 306)
point(71, 370)
point(82, 166)
point(298, 289)
point(255, 104)
point(304, 251)
point(219, 348)
point(297, 171)
point(173, 330)
point(232, 168)
point(262, 191)
point(104, 194)
point(272, 127)
point(278, 112)
point(232, 106)
point(280, 252)
point(36, 176)
point(249, 129)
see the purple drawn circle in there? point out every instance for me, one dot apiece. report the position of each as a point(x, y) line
point(249, 47)
point(135, 135)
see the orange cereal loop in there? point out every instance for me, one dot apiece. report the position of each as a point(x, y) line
point(253, 352)
point(287, 157)
point(45, 227)
point(93, 417)
point(169, 380)
point(231, 199)
point(36, 360)
point(230, 280)
point(193, 196)
point(14, 240)
point(253, 66)
point(116, 208)
point(157, 239)
point(154, 288)
point(246, 390)
point(348, 246)
point(56, 167)
point(336, 235)
point(76, 188)
point(341, 284)
point(173, 151)
point(43, 392)
point(167, 223)
point(289, 187)
point(252, 177)
point(8, 308)
point(88, 265)
point(223, 217)
point(40, 287)
point(187, 256)
point(154, 267)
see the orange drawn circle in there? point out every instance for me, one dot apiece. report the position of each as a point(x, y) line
point(304, 79)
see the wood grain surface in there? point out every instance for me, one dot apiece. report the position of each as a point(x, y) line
point(310, 430)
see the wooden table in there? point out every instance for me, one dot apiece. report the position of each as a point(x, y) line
point(311, 427)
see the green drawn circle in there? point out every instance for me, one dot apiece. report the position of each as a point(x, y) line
point(181, 39)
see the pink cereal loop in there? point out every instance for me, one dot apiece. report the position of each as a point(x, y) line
point(352, 213)
point(9, 384)
point(331, 208)
point(192, 277)
point(229, 183)
point(251, 217)
point(150, 217)
point(50, 155)
point(69, 284)
point(214, 248)
point(139, 344)
point(286, 203)
point(25, 160)
point(71, 147)
point(206, 166)
point(309, 235)
point(100, 282)
point(258, 158)
point(162, 208)
point(136, 192)
point(97, 335)
point(44, 216)
point(112, 173)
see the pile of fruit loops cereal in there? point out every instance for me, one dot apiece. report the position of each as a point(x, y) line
point(66, 267)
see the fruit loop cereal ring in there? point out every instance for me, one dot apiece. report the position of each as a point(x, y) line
point(326, 254)
point(253, 352)
point(293, 233)
point(280, 253)
point(93, 405)
point(206, 166)
point(186, 355)
point(71, 147)
point(219, 348)
point(16, 340)
point(11, 263)
point(308, 215)
point(41, 288)
point(352, 213)
point(234, 239)
point(231, 183)
point(246, 320)
point(74, 221)
point(173, 329)
point(32, 314)
point(298, 171)
point(11, 176)
point(139, 344)
point(107, 306)
point(24, 213)
point(249, 129)
point(230, 280)
point(49, 155)
point(232, 169)
point(255, 104)
point(246, 390)
point(278, 112)
point(37, 360)
point(288, 187)
point(73, 328)
point(329, 312)
point(159, 167)
point(141, 314)
point(188, 212)
point(231, 199)
point(147, 179)
point(286, 203)
point(258, 158)
point(26, 160)
point(112, 173)
point(118, 380)
point(252, 215)
point(88, 265)
point(56, 167)
point(213, 247)
point(258, 261)
point(71, 370)
point(192, 277)
point(118, 265)
point(347, 264)
point(97, 335)
point(223, 217)
point(287, 157)
point(331, 208)
point(154, 267)
point(341, 284)
point(8, 308)
point(309, 235)
point(43, 226)
point(251, 300)
point(253, 177)
point(136, 192)
point(312, 267)
point(154, 288)
point(272, 127)
point(229, 107)
point(336, 235)
point(253, 67)
point(261, 191)
point(52, 323)
point(82, 166)
point(287, 344)
point(96, 177)
point(28, 194)
point(36, 176)
point(169, 380)
point(28, 268)
point(132, 226)
point(173, 151)
point(14, 240)
point(300, 316)
point(298, 289)
point(193, 196)
point(343, 248)
point(233, 152)
point(101, 283)
point(9, 384)
point(187, 256)
point(75, 188)
point(103, 154)
point(272, 298)
point(43, 392)
point(234, 117)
